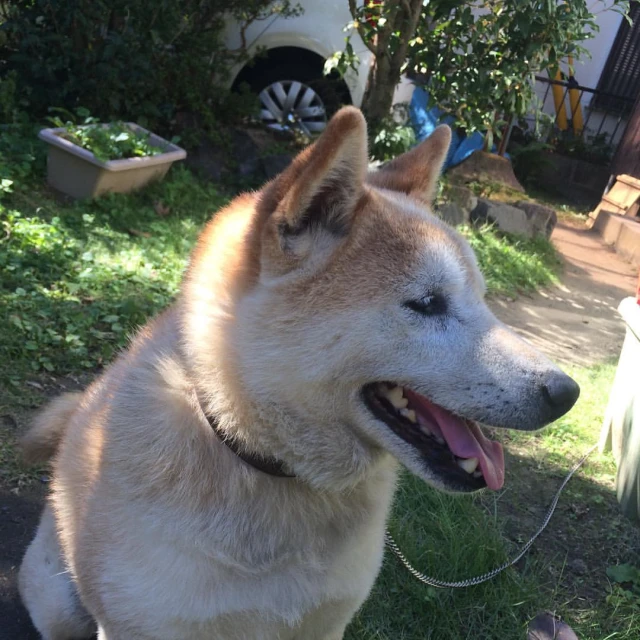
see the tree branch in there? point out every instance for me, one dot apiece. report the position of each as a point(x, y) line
point(413, 17)
point(353, 8)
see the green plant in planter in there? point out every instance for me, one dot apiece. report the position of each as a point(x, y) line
point(112, 141)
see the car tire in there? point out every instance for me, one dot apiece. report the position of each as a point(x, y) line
point(296, 97)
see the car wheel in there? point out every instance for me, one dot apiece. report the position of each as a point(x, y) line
point(293, 98)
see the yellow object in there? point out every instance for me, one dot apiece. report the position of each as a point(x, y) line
point(559, 103)
point(576, 107)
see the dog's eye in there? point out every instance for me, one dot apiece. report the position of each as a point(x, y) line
point(434, 305)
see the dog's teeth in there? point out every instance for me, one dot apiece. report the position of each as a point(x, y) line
point(425, 428)
point(409, 414)
point(394, 396)
point(439, 439)
point(468, 464)
point(477, 474)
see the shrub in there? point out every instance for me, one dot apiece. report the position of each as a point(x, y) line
point(142, 60)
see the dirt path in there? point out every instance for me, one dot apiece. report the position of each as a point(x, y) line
point(576, 321)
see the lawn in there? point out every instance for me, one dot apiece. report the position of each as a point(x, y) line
point(78, 278)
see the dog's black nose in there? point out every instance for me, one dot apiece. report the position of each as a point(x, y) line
point(560, 393)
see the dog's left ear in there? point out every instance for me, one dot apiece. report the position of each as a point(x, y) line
point(312, 202)
point(416, 172)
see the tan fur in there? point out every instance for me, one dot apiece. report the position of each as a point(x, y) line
point(291, 303)
point(41, 442)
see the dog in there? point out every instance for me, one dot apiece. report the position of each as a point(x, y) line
point(229, 476)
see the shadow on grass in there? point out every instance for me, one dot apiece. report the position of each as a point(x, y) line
point(19, 516)
point(454, 538)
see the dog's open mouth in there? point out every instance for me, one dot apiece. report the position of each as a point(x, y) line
point(454, 448)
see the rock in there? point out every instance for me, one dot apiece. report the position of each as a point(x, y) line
point(458, 204)
point(546, 626)
point(485, 167)
point(543, 219)
point(452, 213)
point(207, 159)
point(274, 164)
point(463, 197)
point(245, 152)
point(238, 155)
point(506, 217)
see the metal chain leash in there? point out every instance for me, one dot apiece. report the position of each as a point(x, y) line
point(469, 582)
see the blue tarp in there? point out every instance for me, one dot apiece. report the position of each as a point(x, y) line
point(425, 119)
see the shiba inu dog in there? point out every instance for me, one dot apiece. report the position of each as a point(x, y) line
point(229, 476)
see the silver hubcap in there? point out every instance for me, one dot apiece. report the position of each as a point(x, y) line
point(289, 104)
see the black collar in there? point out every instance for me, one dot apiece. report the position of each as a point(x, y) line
point(270, 466)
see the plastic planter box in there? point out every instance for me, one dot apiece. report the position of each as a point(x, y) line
point(621, 427)
point(78, 173)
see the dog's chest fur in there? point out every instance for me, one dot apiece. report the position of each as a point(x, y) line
point(267, 592)
point(190, 531)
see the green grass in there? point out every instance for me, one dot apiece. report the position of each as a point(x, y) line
point(78, 278)
point(512, 264)
point(450, 538)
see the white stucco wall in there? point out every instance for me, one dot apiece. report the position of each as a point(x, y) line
point(588, 70)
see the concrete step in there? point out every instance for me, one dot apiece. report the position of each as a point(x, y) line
point(622, 232)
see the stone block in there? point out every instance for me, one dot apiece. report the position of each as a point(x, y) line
point(543, 219)
point(506, 217)
point(453, 214)
point(464, 198)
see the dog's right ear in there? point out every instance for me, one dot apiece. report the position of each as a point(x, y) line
point(416, 172)
point(310, 205)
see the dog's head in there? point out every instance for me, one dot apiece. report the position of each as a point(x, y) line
point(362, 319)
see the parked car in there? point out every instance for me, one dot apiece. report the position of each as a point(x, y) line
point(288, 76)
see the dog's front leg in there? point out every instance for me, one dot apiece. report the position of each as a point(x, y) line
point(329, 621)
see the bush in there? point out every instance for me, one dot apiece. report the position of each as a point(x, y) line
point(142, 60)
point(21, 153)
point(393, 135)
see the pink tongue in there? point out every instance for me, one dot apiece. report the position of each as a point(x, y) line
point(464, 438)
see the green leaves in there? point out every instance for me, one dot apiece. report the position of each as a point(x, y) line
point(625, 573)
point(111, 141)
point(393, 137)
point(479, 61)
point(127, 59)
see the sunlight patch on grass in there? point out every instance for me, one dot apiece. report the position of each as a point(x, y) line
point(569, 438)
point(78, 278)
point(512, 264)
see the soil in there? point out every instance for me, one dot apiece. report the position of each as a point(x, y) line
point(575, 322)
